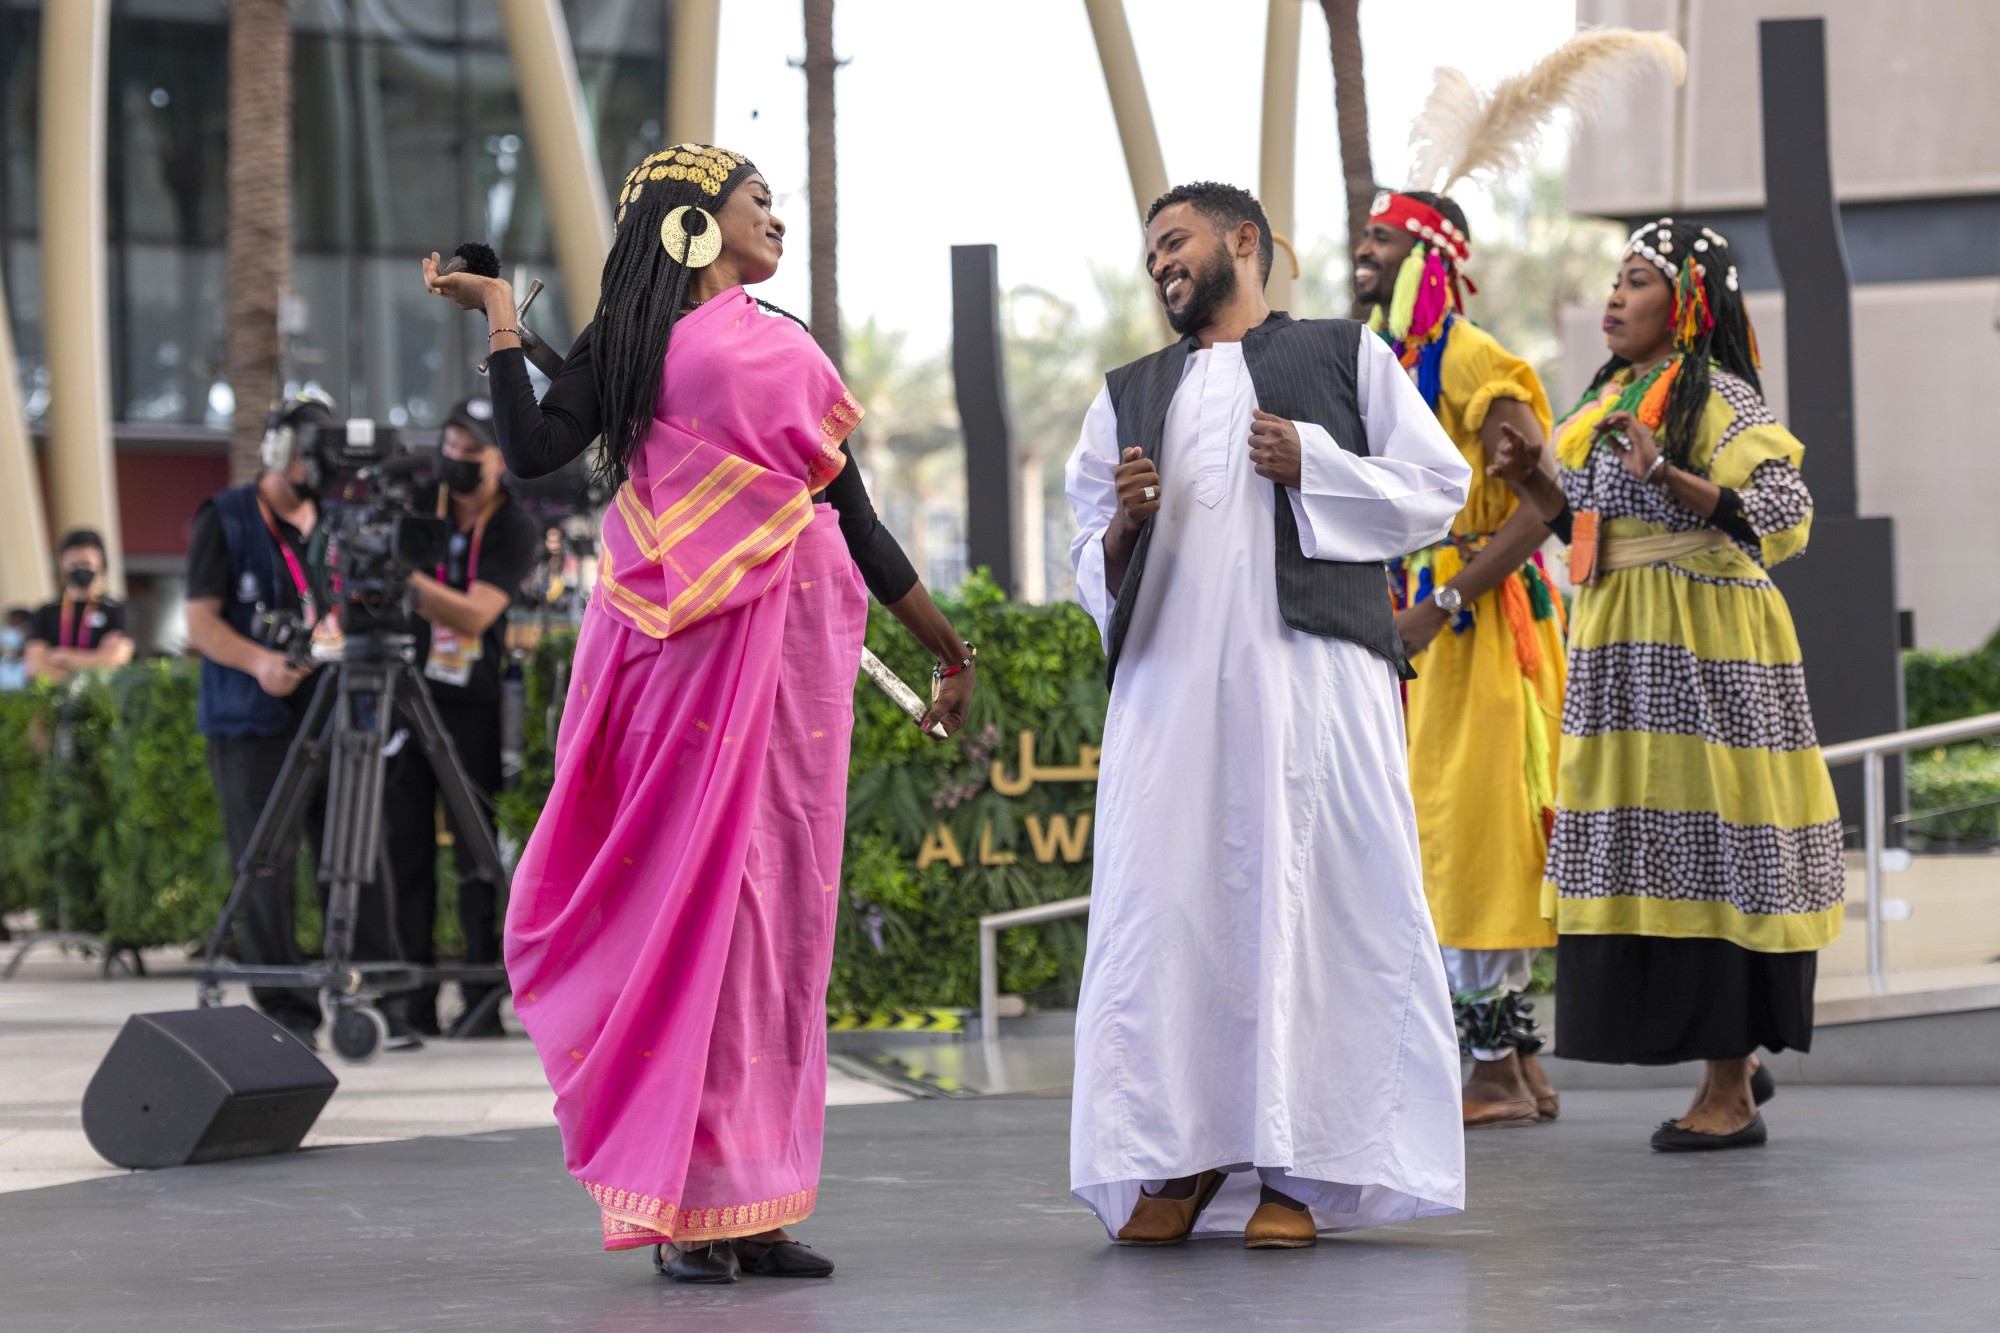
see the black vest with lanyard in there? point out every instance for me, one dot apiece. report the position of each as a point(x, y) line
point(231, 702)
point(1302, 370)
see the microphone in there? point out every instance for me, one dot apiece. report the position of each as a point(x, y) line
point(475, 258)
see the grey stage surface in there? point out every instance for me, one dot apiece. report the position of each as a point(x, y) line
point(1873, 1208)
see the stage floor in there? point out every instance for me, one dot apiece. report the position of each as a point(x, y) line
point(1873, 1208)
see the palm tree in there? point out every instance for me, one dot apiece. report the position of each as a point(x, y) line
point(821, 182)
point(260, 214)
point(1350, 112)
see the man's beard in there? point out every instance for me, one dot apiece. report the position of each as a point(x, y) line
point(1214, 284)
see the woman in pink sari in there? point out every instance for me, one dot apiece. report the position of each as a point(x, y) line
point(670, 929)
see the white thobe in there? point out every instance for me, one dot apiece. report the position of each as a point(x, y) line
point(1263, 989)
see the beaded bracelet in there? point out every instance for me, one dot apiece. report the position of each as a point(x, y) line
point(941, 671)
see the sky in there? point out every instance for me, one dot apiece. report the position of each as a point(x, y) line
point(963, 124)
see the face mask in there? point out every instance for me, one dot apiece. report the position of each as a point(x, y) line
point(12, 641)
point(461, 475)
point(81, 578)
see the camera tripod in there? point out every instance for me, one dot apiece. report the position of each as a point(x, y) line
point(344, 736)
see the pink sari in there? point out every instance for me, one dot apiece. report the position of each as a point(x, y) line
point(670, 930)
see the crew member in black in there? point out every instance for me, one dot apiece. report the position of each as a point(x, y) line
point(248, 559)
point(84, 629)
point(461, 647)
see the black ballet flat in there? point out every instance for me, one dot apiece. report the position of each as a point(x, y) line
point(783, 1258)
point(714, 1264)
point(1670, 1137)
point(1762, 1086)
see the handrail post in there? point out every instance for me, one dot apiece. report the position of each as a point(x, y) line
point(989, 981)
point(1872, 816)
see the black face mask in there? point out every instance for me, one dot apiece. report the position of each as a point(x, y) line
point(461, 475)
point(81, 577)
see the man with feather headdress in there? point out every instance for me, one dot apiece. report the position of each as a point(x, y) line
point(1475, 611)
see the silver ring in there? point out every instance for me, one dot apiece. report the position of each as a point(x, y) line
point(1151, 493)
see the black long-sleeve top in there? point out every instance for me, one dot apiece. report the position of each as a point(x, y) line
point(1728, 517)
point(538, 438)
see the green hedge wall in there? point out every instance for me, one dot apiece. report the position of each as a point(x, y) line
point(1955, 791)
point(126, 817)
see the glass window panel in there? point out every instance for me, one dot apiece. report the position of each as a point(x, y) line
point(322, 16)
point(173, 122)
point(24, 308)
point(625, 98)
point(409, 136)
point(318, 354)
point(503, 195)
point(206, 12)
point(322, 138)
point(174, 340)
point(414, 353)
point(434, 22)
point(632, 27)
point(20, 58)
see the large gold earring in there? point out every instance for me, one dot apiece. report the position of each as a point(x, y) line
point(697, 251)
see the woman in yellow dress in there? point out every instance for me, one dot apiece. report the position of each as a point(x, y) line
point(1695, 866)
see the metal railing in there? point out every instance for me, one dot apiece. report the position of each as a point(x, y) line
point(989, 953)
point(1869, 753)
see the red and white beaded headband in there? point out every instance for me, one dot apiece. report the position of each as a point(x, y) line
point(1423, 221)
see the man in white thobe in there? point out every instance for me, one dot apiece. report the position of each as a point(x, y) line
point(1264, 1041)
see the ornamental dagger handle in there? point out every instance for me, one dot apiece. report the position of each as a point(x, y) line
point(900, 694)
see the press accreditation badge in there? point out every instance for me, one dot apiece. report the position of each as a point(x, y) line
point(452, 656)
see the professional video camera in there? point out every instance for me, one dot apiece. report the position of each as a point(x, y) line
point(376, 536)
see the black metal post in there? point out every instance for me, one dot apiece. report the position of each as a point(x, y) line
point(1842, 591)
point(1804, 221)
point(981, 388)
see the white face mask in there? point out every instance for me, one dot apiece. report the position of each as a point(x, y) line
point(12, 641)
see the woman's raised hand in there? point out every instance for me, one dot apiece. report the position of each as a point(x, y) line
point(468, 291)
point(1519, 459)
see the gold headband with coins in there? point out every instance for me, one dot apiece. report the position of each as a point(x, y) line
point(702, 165)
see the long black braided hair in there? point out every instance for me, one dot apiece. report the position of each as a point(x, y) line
point(1697, 254)
point(644, 288)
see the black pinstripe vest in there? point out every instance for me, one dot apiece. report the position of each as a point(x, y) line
point(1302, 370)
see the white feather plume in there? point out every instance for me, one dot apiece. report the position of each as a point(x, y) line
point(1462, 132)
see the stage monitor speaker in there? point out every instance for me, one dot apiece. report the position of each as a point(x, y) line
point(203, 1085)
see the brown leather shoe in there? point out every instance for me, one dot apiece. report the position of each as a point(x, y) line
point(1160, 1221)
point(1491, 1115)
point(1548, 1102)
point(1276, 1227)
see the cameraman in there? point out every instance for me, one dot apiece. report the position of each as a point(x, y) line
point(461, 644)
point(248, 557)
point(84, 629)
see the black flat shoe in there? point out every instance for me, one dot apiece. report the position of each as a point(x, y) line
point(714, 1263)
point(783, 1258)
point(1762, 1086)
point(1669, 1137)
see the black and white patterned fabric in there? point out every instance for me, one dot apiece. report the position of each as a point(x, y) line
point(1665, 689)
point(1695, 855)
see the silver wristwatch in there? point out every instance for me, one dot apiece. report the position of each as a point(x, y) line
point(1447, 600)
